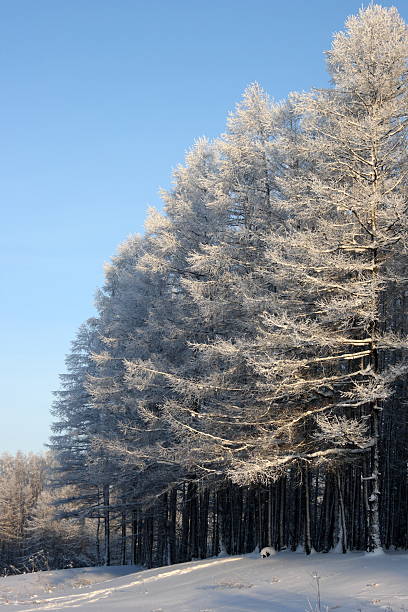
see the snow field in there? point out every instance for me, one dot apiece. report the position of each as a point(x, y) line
point(280, 583)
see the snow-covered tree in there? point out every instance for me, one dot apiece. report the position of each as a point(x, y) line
point(323, 346)
point(22, 479)
point(248, 357)
point(212, 408)
point(55, 537)
point(77, 426)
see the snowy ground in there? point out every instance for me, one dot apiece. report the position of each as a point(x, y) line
point(282, 583)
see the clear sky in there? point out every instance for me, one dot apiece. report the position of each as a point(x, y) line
point(99, 100)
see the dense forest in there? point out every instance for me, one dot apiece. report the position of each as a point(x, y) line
point(244, 381)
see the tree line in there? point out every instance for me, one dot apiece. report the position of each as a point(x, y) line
point(38, 531)
point(244, 381)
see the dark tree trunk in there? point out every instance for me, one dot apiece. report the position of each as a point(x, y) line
point(106, 505)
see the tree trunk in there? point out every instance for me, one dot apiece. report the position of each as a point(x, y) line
point(106, 503)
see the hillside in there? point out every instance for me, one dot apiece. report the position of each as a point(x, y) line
point(282, 583)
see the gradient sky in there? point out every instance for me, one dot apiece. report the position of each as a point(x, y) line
point(99, 100)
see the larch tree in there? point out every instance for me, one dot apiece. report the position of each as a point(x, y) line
point(323, 347)
point(123, 306)
point(55, 537)
point(22, 479)
point(212, 410)
point(190, 223)
point(171, 324)
point(77, 425)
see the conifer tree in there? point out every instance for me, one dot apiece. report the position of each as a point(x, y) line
point(323, 348)
point(212, 410)
point(255, 337)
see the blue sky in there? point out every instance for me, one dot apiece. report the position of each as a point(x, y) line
point(99, 101)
